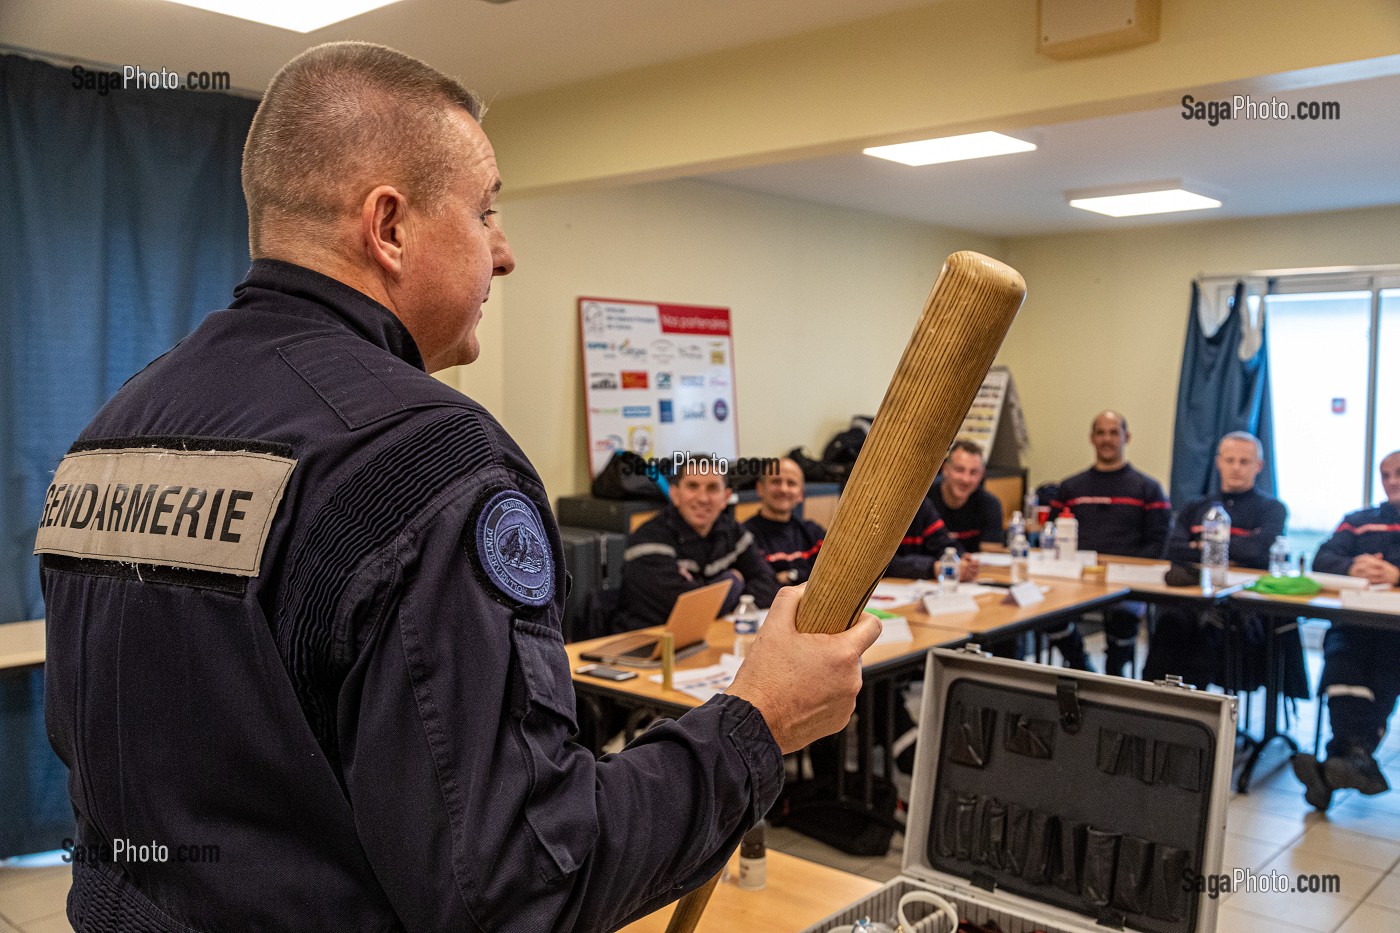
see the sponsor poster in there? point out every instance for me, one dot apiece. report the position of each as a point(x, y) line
point(995, 421)
point(657, 379)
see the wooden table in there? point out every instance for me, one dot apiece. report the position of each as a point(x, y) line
point(798, 894)
point(22, 644)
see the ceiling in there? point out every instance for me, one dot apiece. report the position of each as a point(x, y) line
point(1255, 167)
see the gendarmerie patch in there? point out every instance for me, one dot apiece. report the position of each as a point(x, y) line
point(207, 510)
point(513, 549)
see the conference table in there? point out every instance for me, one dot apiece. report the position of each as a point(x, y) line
point(798, 894)
point(887, 666)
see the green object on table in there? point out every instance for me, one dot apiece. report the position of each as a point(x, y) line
point(1286, 586)
point(882, 613)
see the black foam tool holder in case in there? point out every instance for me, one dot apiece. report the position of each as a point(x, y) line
point(1066, 801)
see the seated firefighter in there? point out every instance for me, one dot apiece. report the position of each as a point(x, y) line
point(788, 543)
point(1361, 667)
point(1191, 643)
point(695, 541)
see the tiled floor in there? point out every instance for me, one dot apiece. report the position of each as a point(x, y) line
point(1269, 828)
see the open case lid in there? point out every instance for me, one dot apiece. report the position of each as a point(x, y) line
point(1092, 801)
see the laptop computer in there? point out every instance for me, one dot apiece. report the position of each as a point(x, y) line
point(689, 622)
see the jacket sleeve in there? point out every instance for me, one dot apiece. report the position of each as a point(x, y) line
point(1157, 520)
point(759, 579)
point(1337, 552)
point(473, 806)
point(1253, 550)
point(926, 540)
point(993, 531)
point(1178, 547)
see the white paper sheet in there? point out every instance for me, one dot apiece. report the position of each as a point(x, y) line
point(1129, 574)
point(704, 682)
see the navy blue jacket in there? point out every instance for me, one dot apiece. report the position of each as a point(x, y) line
point(790, 547)
point(372, 729)
point(1369, 531)
point(1119, 511)
point(1255, 521)
point(664, 546)
point(976, 523)
point(918, 552)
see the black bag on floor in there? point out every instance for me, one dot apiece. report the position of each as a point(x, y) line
point(811, 808)
point(627, 476)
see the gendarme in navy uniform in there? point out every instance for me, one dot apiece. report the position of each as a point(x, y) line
point(404, 616)
point(303, 600)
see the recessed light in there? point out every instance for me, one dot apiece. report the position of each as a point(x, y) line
point(296, 15)
point(1163, 197)
point(950, 148)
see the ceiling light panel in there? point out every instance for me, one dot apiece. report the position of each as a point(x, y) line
point(951, 149)
point(296, 15)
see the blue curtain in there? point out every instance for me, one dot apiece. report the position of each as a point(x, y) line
point(1219, 393)
point(124, 224)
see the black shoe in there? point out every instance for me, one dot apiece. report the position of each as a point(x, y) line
point(1317, 792)
point(1355, 769)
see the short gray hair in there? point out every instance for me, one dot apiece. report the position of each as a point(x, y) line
point(1246, 437)
point(340, 119)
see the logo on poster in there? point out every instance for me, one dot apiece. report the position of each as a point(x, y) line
point(694, 412)
point(631, 352)
point(636, 411)
point(639, 440)
point(634, 379)
point(693, 382)
point(663, 351)
point(690, 351)
point(663, 381)
point(593, 318)
point(719, 381)
point(613, 410)
point(602, 381)
point(663, 408)
point(717, 356)
point(721, 409)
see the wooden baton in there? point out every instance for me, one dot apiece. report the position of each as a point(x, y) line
point(966, 317)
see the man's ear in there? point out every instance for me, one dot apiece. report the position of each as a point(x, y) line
point(383, 217)
point(675, 490)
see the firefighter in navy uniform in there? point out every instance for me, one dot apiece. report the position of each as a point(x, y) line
point(972, 516)
point(788, 543)
point(693, 542)
point(1188, 643)
point(1120, 511)
point(303, 599)
point(1361, 666)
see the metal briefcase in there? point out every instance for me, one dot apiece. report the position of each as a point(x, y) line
point(1049, 799)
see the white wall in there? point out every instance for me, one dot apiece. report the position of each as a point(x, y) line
point(823, 301)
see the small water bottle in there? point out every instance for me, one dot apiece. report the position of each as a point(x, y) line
point(949, 566)
point(1067, 536)
point(1017, 527)
point(745, 625)
point(1215, 549)
point(1020, 558)
point(753, 858)
point(1278, 558)
point(1047, 541)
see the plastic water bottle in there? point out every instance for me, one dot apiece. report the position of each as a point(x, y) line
point(1017, 527)
point(949, 566)
point(1067, 536)
point(1020, 558)
point(1215, 549)
point(1278, 558)
point(1047, 541)
point(745, 625)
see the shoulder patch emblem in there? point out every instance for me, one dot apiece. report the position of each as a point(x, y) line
point(514, 550)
